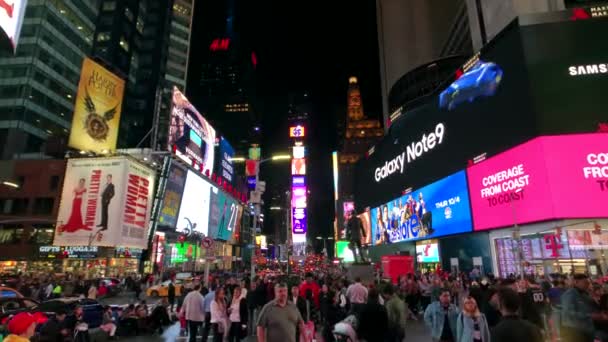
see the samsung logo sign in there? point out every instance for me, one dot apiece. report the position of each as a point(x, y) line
point(589, 69)
point(413, 151)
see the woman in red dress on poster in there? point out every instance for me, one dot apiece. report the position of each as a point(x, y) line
point(75, 222)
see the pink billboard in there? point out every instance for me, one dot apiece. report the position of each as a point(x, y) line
point(546, 178)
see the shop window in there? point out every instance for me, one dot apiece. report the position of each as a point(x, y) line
point(43, 206)
point(7, 236)
point(42, 236)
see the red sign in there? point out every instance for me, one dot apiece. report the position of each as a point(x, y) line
point(220, 44)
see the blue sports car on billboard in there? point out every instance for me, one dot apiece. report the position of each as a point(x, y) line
point(481, 80)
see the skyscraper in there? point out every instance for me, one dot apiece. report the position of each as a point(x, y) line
point(147, 42)
point(38, 84)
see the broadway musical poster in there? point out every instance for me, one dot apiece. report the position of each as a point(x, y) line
point(105, 202)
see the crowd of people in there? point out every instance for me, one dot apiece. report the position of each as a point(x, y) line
point(328, 307)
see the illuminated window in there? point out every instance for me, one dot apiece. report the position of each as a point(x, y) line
point(103, 36)
point(129, 14)
point(124, 44)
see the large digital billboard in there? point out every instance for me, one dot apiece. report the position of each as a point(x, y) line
point(343, 252)
point(11, 19)
point(427, 251)
point(438, 209)
point(173, 196)
point(194, 209)
point(223, 216)
point(535, 78)
point(528, 183)
point(97, 109)
point(225, 166)
point(105, 202)
point(191, 137)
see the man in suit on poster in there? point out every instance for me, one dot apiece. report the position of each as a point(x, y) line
point(106, 197)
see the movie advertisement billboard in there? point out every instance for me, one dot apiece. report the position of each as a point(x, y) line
point(96, 118)
point(343, 252)
point(438, 209)
point(194, 209)
point(11, 19)
point(191, 137)
point(225, 167)
point(427, 251)
point(173, 196)
point(223, 216)
point(526, 184)
point(105, 202)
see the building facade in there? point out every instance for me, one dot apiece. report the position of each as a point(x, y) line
point(38, 84)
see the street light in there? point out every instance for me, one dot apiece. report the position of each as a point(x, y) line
point(275, 208)
point(281, 157)
point(11, 184)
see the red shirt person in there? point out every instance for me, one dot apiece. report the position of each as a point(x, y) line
point(310, 284)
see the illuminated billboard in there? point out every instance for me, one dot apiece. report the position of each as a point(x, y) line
point(299, 152)
point(191, 137)
point(526, 184)
point(105, 202)
point(298, 166)
point(298, 197)
point(343, 252)
point(297, 131)
point(440, 208)
point(223, 215)
point(194, 210)
point(298, 220)
point(173, 196)
point(427, 251)
point(298, 180)
point(96, 118)
point(11, 19)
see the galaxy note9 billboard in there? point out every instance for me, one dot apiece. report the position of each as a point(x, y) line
point(519, 86)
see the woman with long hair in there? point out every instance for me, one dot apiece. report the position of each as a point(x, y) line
point(238, 313)
point(219, 316)
point(471, 325)
point(75, 221)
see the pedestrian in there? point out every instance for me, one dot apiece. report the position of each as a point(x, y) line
point(57, 290)
point(441, 316)
point(238, 316)
point(511, 327)
point(578, 312)
point(21, 327)
point(219, 315)
point(373, 319)
point(357, 295)
point(397, 314)
point(54, 330)
point(208, 299)
point(108, 325)
point(472, 325)
point(325, 301)
point(137, 290)
point(192, 309)
point(171, 295)
point(92, 293)
point(278, 319)
point(310, 284)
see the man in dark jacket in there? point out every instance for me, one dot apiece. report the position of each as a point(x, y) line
point(373, 319)
point(354, 232)
point(54, 330)
point(171, 295)
point(512, 327)
point(106, 197)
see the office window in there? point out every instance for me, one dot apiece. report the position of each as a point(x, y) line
point(43, 206)
point(20, 206)
point(129, 14)
point(103, 36)
point(54, 184)
point(124, 44)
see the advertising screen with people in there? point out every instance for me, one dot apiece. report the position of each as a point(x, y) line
point(223, 215)
point(173, 196)
point(105, 202)
point(526, 184)
point(191, 137)
point(438, 209)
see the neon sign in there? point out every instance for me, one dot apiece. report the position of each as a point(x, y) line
point(220, 44)
point(298, 131)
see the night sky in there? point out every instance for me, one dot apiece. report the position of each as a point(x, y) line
point(311, 46)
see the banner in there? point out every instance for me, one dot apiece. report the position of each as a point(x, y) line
point(97, 109)
point(191, 137)
point(173, 196)
point(194, 209)
point(225, 166)
point(105, 202)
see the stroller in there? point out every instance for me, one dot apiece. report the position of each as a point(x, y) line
point(346, 330)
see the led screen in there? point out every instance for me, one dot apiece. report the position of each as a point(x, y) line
point(298, 197)
point(194, 209)
point(427, 251)
point(528, 183)
point(298, 166)
point(438, 209)
point(298, 220)
point(343, 252)
point(223, 215)
point(181, 252)
point(173, 196)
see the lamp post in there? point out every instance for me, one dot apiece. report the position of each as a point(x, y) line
point(517, 234)
point(257, 206)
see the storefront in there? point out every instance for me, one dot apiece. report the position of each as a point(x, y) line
point(567, 246)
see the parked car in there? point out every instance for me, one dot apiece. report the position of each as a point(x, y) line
point(92, 310)
point(162, 290)
point(9, 292)
point(10, 306)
